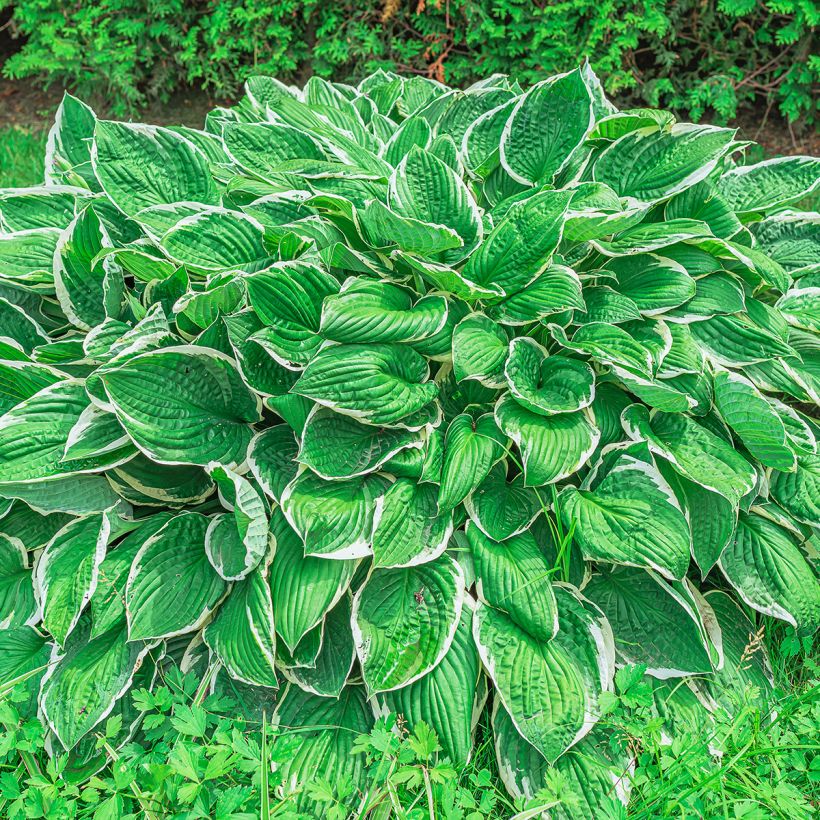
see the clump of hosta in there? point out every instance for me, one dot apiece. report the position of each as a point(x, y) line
point(395, 397)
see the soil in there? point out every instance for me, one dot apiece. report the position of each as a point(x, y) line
point(29, 106)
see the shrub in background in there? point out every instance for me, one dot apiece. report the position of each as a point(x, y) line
point(685, 54)
point(405, 399)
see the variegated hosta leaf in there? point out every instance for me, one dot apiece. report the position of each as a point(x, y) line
point(471, 448)
point(172, 587)
point(288, 299)
point(448, 698)
point(94, 673)
point(651, 164)
point(799, 492)
point(552, 447)
point(68, 570)
point(272, 459)
point(142, 165)
point(712, 518)
point(184, 405)
point(516, 577)
point(479, 350)
point(235, 544)
point(329, 670)
point(501, 508)
point(337, 446)
point(334, 519)
point(303, 588)
point(769, 184)
point(746, 660)
point(242, 635)
point(88, 291)
point(404, 621)
point(24, 657)
point(539, 683)
point(108, 600)
point(408, 526)
point(370, 312)
point(547, 384)
point(17, 604)
point(631, 517)
point(546, 125)
point(653, 623)
point(33, 435)
point(768, 570)
point(425, 188)
point(693, 450)
point(328, 728)
point(520, 247)
point(378, 384)
point(597, 782)
point(754, 421)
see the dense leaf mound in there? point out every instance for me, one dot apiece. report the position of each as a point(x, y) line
point(394, 397)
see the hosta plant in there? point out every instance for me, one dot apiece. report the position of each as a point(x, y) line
point(402, 398)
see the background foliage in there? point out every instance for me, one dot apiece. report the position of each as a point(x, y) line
point(698, 56)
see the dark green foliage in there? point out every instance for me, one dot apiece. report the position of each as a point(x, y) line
point(691, 55)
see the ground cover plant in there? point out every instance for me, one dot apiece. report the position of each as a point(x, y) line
point(405, 400)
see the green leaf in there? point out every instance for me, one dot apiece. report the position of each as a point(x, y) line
point(479, 350)
point(515, 577)
point(425, 188)
point(333, 519)
point(68, 150)
point(546, 125)
point(327, 729)
point(332, 666)
point(769, 184)
point(746, 661)
point(17, 604)
point(263, 149)
point(471, 448)
point(236, 544)
point(799, 492)
point(217, 240)
point(655, 284)
point(288, 299)
point(555, 290)
point(552, 447)
point(693, 450)
point(652, 164)
point(68, 570)
point(404, 620)
point(631, 517)
point(753, 419)
point(272, 459)
point(184, 405)
point(520, 247)
point(366, 311)
point(539, 683)
point(769, 572)
point(172, 587)
point(143, 165)
point(447, 698)
point(653, 623)
point(84, 685)
point(89, 291)
point(408, 528)
point(241, 634)
point(501, 508)
point(303, 588)
point(546, 384)
point(336, 446)
point(378, 384)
